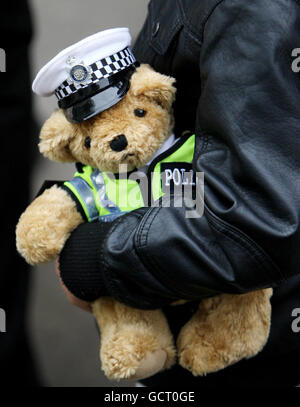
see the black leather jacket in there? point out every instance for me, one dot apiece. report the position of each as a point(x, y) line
point(237, 91)
point(232, 60)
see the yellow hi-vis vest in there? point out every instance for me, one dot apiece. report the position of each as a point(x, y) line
point(104, 196)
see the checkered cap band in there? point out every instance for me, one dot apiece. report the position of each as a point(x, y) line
point(103, 68)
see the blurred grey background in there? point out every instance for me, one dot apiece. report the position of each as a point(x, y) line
point(64, 338)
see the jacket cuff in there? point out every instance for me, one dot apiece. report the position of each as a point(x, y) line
point(79, 261)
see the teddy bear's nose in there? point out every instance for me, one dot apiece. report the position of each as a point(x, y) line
point(119, 143)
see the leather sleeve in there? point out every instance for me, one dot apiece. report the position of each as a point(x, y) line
point(248, 146)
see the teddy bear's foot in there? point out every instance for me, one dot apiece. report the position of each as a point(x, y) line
point(206, 358)
point(127, 358)
point(135, 344)
point(224, 330)
point(151, 364)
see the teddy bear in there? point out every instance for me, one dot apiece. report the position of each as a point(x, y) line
point(135, 343)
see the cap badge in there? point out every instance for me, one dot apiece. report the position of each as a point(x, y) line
point(79, 72)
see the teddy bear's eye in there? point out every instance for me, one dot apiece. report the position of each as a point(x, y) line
point(87, 142)
point(140, 112)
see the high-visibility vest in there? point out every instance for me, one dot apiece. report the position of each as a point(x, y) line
point(104, 196)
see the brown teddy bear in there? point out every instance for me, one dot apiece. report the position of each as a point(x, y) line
point(137, 343)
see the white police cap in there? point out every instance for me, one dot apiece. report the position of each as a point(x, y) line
point(89, 76)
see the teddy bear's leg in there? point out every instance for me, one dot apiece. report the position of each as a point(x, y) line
point(224, 330)
point(135, 344)
point(44, 227)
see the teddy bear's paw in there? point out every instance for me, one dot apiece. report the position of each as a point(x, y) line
point(205, 349)
point(132, 369)
point(203, 359)
point(225, 329)
point(36, 251)
point(134, 357)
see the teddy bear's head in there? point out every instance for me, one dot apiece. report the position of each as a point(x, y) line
point(129, 133)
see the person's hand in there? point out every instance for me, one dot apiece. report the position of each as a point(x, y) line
point(86, 306)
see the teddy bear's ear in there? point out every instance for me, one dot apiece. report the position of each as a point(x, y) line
point(147, 82)
point(55, 136)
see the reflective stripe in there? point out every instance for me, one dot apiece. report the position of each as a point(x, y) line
point(111, 217)
point(104, 201)
point(85, 195)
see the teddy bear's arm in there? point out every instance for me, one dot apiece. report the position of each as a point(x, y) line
point(46, 225)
